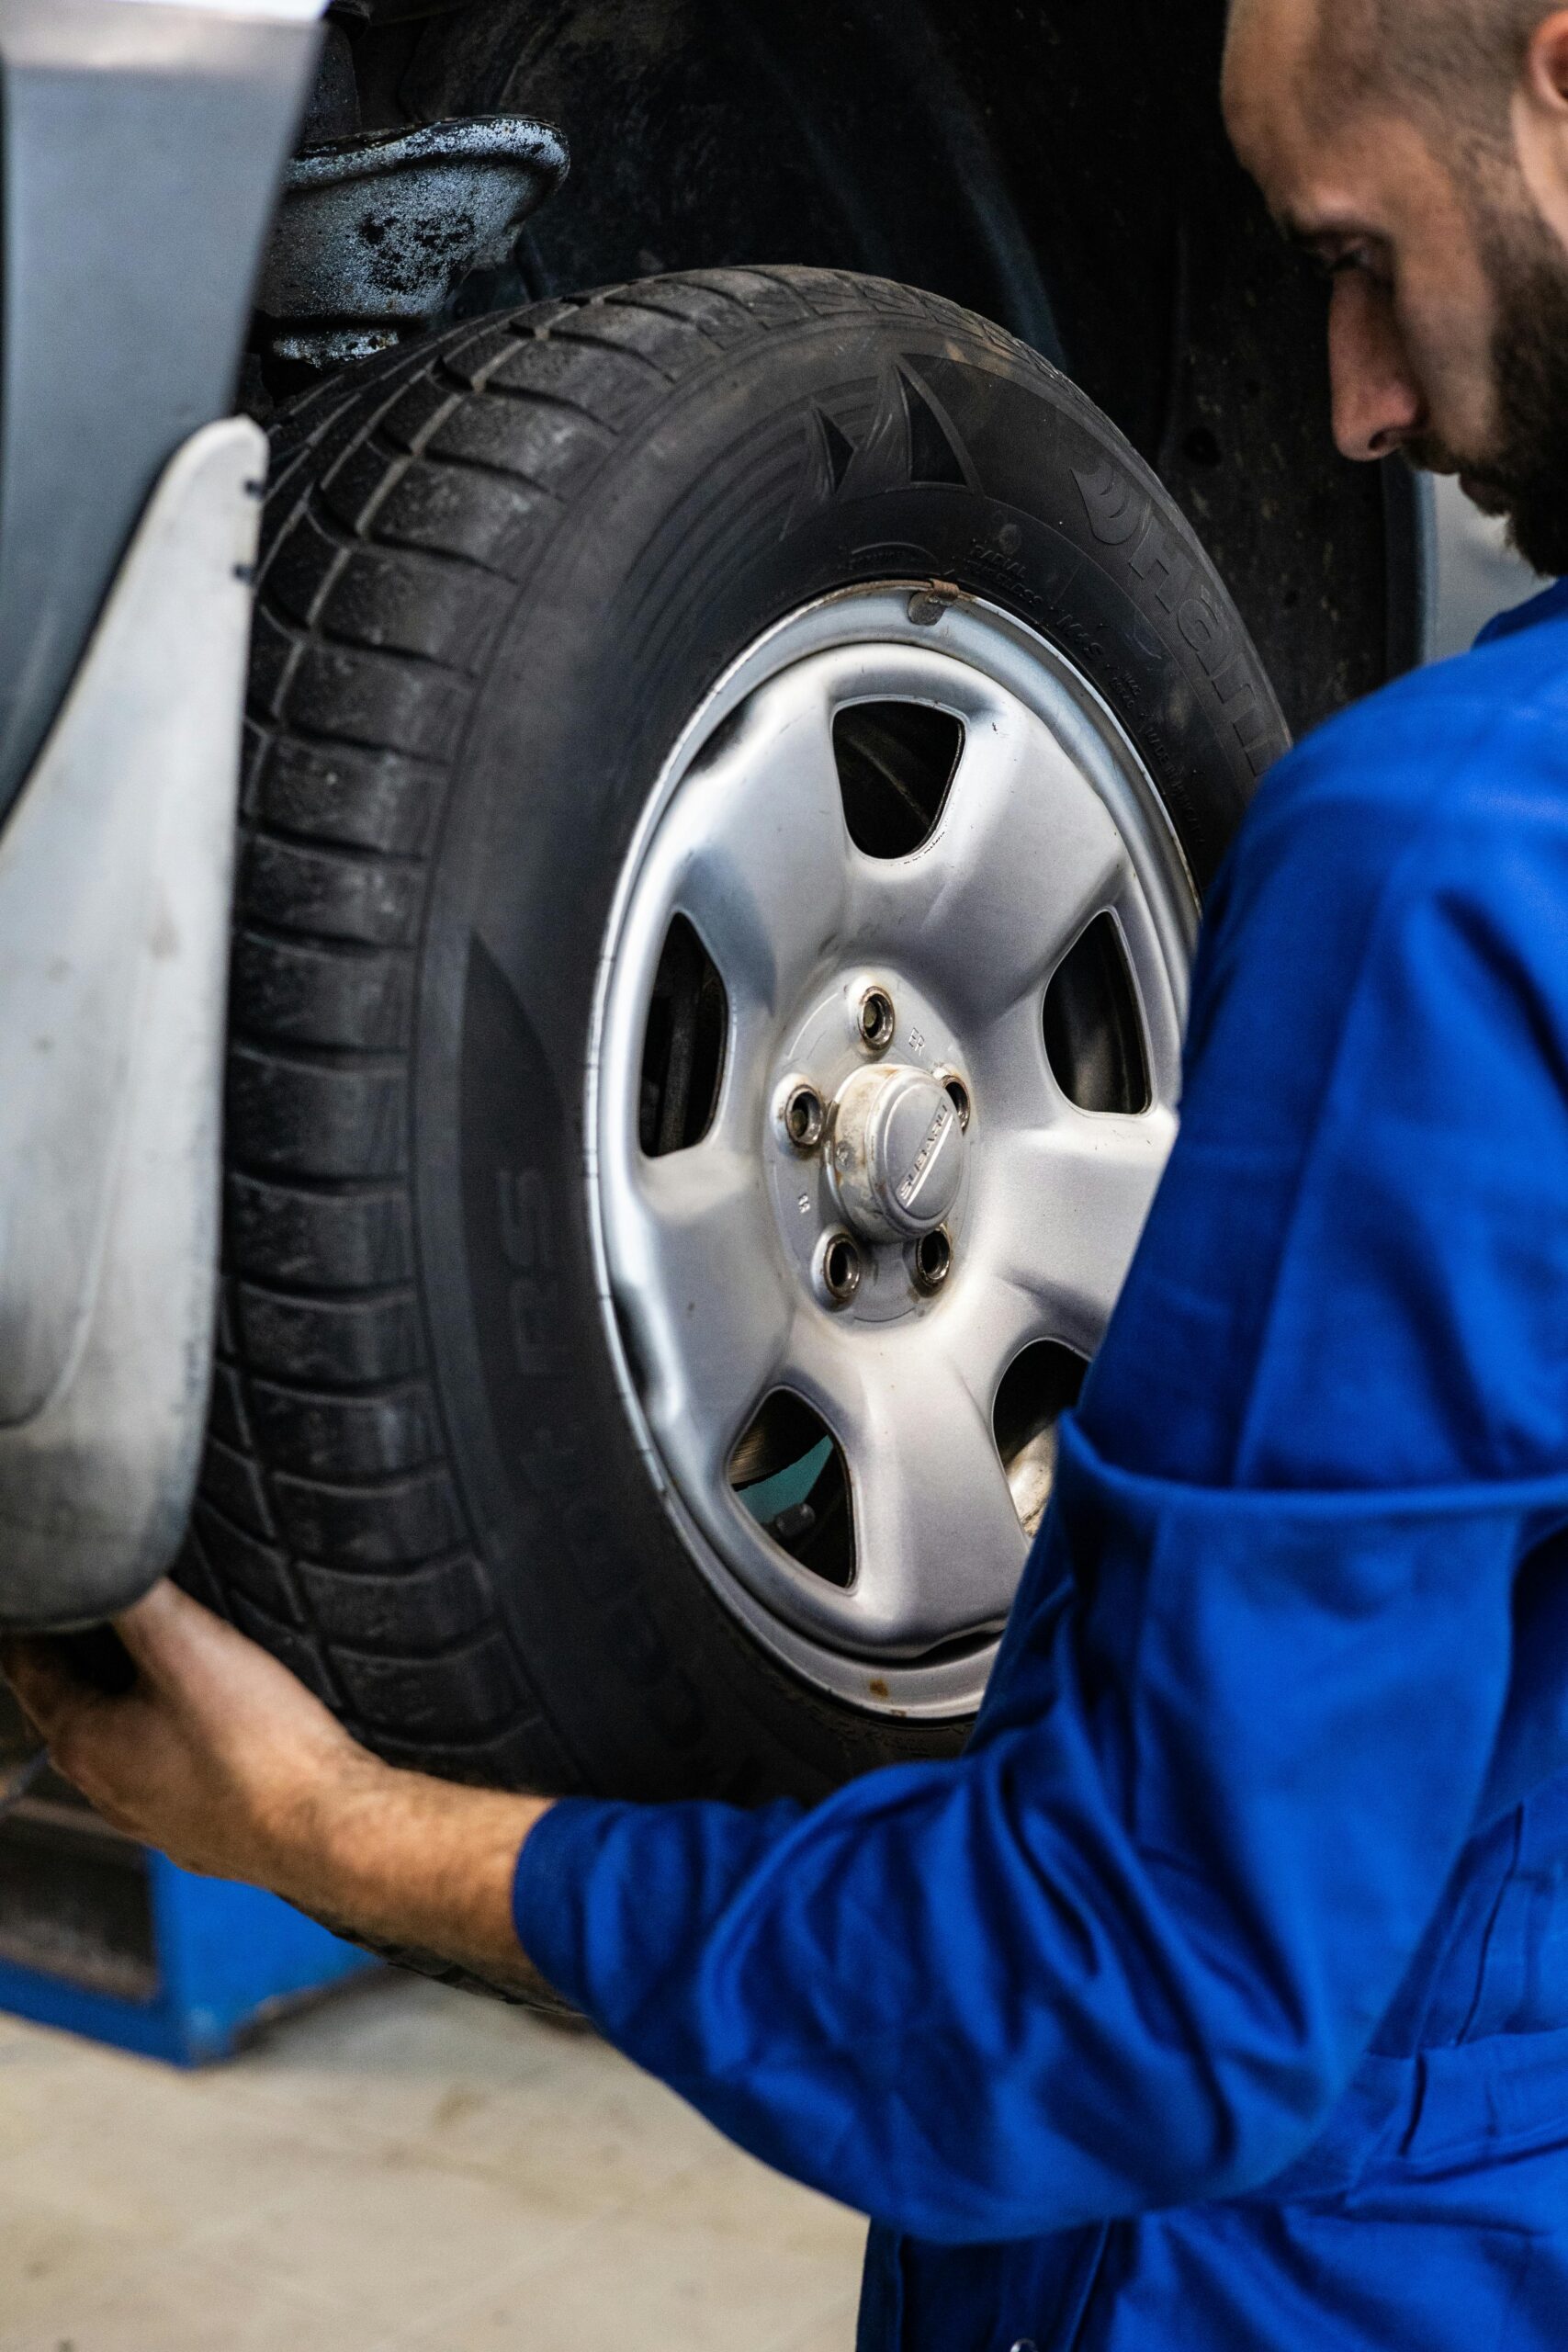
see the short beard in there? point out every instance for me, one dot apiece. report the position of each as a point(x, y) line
point(1524, 479)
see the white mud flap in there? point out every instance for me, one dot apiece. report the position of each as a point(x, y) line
point(115, 873)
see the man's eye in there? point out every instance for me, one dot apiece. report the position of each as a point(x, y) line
point(1359, 261)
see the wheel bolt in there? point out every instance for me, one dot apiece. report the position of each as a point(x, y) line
point(933, 1260)
point(839, 1268)
point(878, 1019)
point(805, 1118)
point(958, 1095)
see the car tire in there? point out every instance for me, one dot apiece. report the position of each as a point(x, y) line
point(499, 573)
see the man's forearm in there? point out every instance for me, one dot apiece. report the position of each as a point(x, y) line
point(407, 1860)
point(216, 1754)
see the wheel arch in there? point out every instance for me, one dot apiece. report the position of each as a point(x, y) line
point(1062, 169)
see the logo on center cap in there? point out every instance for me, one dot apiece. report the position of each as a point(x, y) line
point(913, 1181)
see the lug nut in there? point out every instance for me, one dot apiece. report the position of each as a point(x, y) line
point(839, 1269)
point(933, 1260)
point(878, 1019)
point(804, 1118)
point(958, 1095)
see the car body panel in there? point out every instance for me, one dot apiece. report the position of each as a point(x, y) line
point(142, 145)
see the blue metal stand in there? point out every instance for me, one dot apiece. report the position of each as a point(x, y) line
point(226, 1958)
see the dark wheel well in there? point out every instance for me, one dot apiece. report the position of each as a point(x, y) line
point(1061, 168)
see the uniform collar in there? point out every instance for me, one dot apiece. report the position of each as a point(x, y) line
point(1549, 605)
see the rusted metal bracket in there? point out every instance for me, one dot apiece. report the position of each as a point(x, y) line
point(376, 232)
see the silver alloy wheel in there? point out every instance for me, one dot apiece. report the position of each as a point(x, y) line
point(1009, 1220)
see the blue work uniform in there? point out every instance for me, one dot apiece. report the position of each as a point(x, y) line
point(1218, 1997)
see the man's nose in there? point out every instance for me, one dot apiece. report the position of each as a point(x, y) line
point(1378, 404)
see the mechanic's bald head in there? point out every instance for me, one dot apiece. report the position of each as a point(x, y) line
point(1419, 148)
point(1454, 59)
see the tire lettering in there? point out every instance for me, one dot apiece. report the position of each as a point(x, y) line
point(1117, 510)
point(1118, 513)
point(1214, 643)
point(1158, 557)
point(1239, 701)
point(1206, 633)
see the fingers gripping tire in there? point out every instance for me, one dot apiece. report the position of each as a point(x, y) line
point(499, 577)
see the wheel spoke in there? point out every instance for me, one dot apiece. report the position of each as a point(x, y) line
point(1067, 1208)
point(757, 837)
point(705, 1292)
point(1026, 853)
point(939, 1550)
point(991, 1316)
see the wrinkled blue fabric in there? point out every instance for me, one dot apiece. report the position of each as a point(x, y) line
point(1218, 1996)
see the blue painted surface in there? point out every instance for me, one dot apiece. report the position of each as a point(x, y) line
point(227, 1956)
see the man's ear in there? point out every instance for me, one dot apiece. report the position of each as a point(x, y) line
point(1545, 82)
point(1540, 121)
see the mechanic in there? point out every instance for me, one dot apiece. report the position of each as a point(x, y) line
point(1218, 1997)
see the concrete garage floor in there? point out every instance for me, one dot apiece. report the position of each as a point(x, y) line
point(402, 2169)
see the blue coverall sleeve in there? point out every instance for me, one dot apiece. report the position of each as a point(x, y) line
point(1129, 1950)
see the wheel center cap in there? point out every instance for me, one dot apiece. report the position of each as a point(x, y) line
point(896, 1152)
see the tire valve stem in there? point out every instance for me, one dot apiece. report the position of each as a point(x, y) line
point(927, 604)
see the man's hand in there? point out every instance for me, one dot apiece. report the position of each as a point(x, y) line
point(221, 1759)
point(217, 1755)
